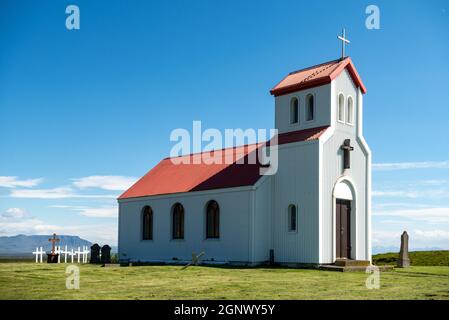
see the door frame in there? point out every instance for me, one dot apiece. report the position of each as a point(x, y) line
point(354, 232)
point(339, 237)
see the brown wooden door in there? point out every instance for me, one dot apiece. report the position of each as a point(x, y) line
point(343, 228)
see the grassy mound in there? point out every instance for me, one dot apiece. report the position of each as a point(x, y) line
point(417, 258)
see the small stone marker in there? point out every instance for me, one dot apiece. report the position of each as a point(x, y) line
point(95, 253)
point(106, 254)
point(404, 260)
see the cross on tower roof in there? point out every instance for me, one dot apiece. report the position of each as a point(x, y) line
point(344, 41)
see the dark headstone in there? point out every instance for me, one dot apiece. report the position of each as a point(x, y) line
point(95, 253)
point(106, 254)
point(404, 260)
point(52, 257)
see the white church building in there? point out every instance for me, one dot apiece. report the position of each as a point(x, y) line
point(314, 210)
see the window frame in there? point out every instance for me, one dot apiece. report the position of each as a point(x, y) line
point(338, 108)
point(143, 225)
point(352, 113)
point(289, 224)
point(292, 123)
point(307, 97)
point(216, 228)
point(182, 223)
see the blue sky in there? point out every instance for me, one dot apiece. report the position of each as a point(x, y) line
point(85, 112)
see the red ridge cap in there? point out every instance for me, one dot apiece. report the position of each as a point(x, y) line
point(317, 75)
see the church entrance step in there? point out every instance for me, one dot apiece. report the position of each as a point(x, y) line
point(351, 263)
point(333, 267)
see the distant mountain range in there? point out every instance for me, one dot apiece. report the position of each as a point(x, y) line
point(25, 245)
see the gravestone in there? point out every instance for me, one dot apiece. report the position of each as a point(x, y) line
point(106, 254)
point(404, 260)
point(95, 253)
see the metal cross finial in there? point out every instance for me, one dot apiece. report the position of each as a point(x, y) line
point(344, 41)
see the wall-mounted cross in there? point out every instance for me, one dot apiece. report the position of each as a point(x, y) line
point(53, 240)
point(344, 41)
point(347, 148)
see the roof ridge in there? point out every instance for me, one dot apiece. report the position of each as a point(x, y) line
point(316, 73)
point(317, 65)
point(215, 150)
point(250, 144)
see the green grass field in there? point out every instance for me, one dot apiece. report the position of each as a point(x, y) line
point(417, 258)
point(44, 281)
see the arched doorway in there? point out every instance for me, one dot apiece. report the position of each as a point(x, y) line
point(344, 218)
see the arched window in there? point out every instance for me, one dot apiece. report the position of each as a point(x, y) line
point(292, 218)
point(147, 223)
point(294, 110)
point(310, 107)
point(341, 107)
point(350, 113)
point(178, 221)
point(212, 220)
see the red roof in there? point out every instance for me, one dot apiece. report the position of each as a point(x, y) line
point(316, 76)
point(168, 177)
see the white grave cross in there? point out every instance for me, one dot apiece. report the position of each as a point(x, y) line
point(71, 253)
point(39, 253)
point(66, 253)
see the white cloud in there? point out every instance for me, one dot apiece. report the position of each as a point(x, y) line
point(104, 212)
point(429, 193)
point(100, 212)
point(411, 165)
point(112, 183)
point(432, 234)
point(55, 193)
point(418, 238)
point(13, 182)
point(435, 215)
point(400, 205)
point(15, 213)
point(385, 237)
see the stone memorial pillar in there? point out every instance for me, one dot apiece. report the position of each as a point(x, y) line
point(404, 260)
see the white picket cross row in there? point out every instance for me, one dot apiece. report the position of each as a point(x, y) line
point(82, 255)
point(39, 253)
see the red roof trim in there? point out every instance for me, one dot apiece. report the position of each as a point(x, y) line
point(347, 63)
point(301, 86)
